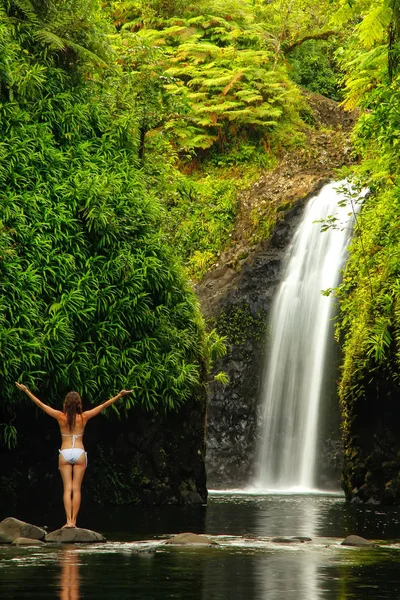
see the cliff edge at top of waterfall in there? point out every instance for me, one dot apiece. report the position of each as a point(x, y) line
point(300, 173)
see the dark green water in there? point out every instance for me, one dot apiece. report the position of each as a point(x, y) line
point(133, 565)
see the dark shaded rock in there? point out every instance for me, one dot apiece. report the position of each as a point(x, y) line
point(147, 458)
point(301, 538)
point(284, 540)
point(356, 540)
point(372, 445)
point(23, 541)
point(192, 539)
point(11, 529)
point(74, 535)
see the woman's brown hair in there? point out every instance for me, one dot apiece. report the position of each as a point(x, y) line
point(72, 407)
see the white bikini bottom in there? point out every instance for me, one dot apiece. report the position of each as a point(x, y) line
point(71, 455)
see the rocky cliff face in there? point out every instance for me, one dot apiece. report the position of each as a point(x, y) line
point(372, 445)
point(236, 296)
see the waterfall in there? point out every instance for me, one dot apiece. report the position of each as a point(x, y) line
point(300, 332)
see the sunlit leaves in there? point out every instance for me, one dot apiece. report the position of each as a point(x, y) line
point(220, 65)
point(91, 297)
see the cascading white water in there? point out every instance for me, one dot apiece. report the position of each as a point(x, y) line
point(301, 330)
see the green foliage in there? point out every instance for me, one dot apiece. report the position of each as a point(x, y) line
point(369, 296)
point(201, 215)
point(364, 59)
point(220, 65)
point(370, 318)
point(8, 434)
point(91, 296)
point(222, 377)
point(314, 67)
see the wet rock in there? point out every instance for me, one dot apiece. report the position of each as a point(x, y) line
point(74, 535)
point(373, 501)
point(301, 538)
point(284, 540)
point(23, 541)
point(191, 539)
point(356, 540)
point(11, 529)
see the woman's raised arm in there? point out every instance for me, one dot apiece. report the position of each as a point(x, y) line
point(89, 414)
point(47, 409)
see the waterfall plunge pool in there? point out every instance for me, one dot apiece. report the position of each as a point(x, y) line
point(246, 565)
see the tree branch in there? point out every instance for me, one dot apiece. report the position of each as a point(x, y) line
point(317, 36)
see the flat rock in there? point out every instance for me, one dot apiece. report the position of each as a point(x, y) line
point(74, 535)
point(11, 529)
point(23, 541)
point(186, 539)
point(284, 540)
point(356, 540)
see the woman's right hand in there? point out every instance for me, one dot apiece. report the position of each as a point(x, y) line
point(21, 386)
point(124, 393)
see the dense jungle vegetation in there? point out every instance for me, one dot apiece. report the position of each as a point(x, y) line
point(128, 128)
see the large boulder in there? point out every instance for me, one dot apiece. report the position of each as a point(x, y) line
point(11, 529)
point(74, 535)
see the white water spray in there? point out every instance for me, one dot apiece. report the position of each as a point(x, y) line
point(301, 330)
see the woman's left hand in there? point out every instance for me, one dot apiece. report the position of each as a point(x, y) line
point(21, 386)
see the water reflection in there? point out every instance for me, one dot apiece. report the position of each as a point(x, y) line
point(69, 575)
point(238, 569)
point(321, 569)
point(292, 575)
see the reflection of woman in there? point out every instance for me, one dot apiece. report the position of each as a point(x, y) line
point(69, 579)
point(73, 459)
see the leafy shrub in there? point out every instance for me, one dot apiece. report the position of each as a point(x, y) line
point(313, 66)
point(91, 297)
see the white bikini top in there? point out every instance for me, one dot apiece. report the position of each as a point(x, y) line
point(74, 436)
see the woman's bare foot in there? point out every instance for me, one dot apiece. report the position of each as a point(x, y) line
point(68, 526)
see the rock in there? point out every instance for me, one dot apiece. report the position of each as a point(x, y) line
point(191, 539)
point(373, 501)
point(356, 500)
point(292, 540)
point(11, 529)
point(23, 541)
point(356, 540)
point(74, 535)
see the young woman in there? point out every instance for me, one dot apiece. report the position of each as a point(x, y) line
point(73, 458)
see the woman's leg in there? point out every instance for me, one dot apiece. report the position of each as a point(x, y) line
point(77, 477)
point(66, 475)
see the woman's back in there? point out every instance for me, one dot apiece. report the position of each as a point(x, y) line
point(72, 438)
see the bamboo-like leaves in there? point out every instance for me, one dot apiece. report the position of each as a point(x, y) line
point(91, 298)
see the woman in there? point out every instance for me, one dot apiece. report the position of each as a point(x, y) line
point(73, 458)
